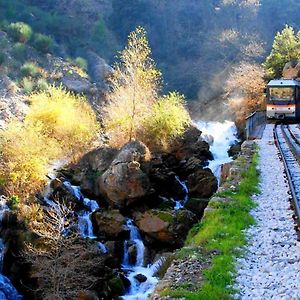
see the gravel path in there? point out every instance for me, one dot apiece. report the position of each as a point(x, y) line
point(270, 268)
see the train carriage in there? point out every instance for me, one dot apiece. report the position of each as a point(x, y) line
point(283, 99)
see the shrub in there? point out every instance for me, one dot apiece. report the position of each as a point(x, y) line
point(65, 117)
point(24, 158)
point(27, 86)
point(81, 62)
point(20, 32)
point(168, 119)
point(14, 202)
point(43, 43)
point(41, 85)
point(19, 51)
point(29, 69)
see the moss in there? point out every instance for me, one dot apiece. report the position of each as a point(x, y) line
point(165, 216)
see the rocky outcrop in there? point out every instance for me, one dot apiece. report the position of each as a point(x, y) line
point(202, 183)
point(109, 224)
point(165, 226)
point(77, 84)
point(126, 181)
point(191, 145)
point(99, 69)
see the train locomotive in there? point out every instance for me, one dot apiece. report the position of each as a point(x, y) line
point(283, 99)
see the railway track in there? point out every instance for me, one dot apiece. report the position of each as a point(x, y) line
point(287, 139)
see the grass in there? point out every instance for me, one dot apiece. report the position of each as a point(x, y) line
point(222, 231)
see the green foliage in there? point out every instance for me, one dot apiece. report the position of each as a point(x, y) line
point(100, 30)
point(19, 51)
point(286, 48)
point(222, 229)
point(27, 85)
point(168, 119)
point(41, 85)
point(81, 62)
point(29, 69)
point(14, 202)
point(20, 32)
point(43, 43)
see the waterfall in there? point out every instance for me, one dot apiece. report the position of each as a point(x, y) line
point(220, 136)
point(138, 290)
point(180, 203)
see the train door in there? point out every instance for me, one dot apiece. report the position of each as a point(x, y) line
point(297, 102)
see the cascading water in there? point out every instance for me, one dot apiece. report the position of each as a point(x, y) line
point(220, 136)
point(7, 290)
point(138, 290)
point(181, 203)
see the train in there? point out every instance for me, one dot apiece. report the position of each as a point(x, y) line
point(283, 99)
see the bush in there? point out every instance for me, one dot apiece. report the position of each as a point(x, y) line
point(65, 117)
point(43, 43)
point(19, 51)
point(29, 69)
point(27, 86)
point(169, 119)
point(81, 62)
point(41, 85)
point(24, 160)
point(20, 32)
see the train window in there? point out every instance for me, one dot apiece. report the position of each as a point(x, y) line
point(281, 93)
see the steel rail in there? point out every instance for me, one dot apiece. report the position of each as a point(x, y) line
point(295, 199)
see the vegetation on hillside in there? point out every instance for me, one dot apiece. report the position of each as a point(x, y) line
point(57, 125)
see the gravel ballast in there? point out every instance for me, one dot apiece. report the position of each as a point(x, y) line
point(270, 268)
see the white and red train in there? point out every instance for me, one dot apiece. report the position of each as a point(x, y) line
point(283, 99)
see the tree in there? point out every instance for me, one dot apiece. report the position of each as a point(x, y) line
point(134, 84)
point(286, 47)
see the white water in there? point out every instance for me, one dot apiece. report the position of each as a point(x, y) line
point(180, 203)
point(138, 290)
point(220, 136)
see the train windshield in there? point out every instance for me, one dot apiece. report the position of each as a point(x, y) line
point(281, 93)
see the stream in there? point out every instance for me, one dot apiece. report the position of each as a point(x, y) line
point(142, 277)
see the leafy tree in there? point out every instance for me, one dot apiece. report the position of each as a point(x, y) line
point(134, 87)
point(286, 47)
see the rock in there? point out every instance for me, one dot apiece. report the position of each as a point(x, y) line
point(109, 223)
point(125, 181)
point(202, 183)
point(132, 252)
point(167, 227)
point(234, 149)
point(191, 145)
point(87, 295)
point(196, 206)
point(291, 70)
point(99, 69)
point(76, 84)
point(225, 172)
point(140, 278)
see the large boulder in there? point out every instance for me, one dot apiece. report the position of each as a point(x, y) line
point(99, 69)
point(191, 144)
point(110, 224)
point(196, 206)
point(77, 84)
point(168, 227)
point(202, 183)
point(126, 180)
